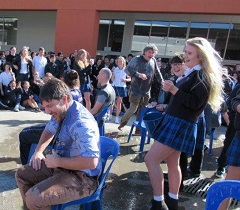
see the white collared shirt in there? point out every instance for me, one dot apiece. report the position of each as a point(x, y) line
point(189, 71)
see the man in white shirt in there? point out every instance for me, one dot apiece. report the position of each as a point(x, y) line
point(39, 62)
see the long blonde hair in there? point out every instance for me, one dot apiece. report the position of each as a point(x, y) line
point(212, 70)
point(82, 63)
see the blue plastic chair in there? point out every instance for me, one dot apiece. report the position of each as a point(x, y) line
point(151, 120)
point(140, 124)
point(101, 121)
point(221, 190)
point(109, 147)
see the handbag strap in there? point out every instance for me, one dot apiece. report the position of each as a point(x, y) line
point(56, 135)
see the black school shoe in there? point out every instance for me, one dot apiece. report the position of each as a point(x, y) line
point(172, 203)
point(158, 205)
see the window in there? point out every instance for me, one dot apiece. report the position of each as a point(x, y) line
point(110, 35)
point(198, 29)
point(177, 37)
point(233, 46)
point(159, 34)
point(8, 31)
point(140, 35)
point(146, 31)
point(218, 36)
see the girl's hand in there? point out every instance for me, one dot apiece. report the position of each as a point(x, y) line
point(168, 86)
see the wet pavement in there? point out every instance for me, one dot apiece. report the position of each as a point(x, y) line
point(128, 187)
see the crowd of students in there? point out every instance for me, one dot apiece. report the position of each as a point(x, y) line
point(37, 68)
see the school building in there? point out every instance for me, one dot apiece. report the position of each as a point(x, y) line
point(120, 27)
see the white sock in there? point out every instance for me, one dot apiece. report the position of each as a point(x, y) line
point(174, 196)
point(158, 197)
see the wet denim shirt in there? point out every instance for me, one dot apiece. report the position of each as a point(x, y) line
point(79, 135)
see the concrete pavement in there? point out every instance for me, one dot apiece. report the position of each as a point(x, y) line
point(128, 187)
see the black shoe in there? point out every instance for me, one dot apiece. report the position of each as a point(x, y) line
point(158, 205)
point(3, 106)
point(220, 172)
point(205, 148)
point(172, 203)
point(191, 174)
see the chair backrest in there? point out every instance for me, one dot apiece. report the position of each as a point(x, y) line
point(151, 121)
point(102, 113)
point(143, 112)
point(108, 147)
point(221, 190)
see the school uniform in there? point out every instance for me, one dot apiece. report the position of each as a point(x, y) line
point(178, 126)
point(119, 86)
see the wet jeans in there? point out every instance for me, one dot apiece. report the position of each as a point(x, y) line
point(136, 103)
point(46, 187)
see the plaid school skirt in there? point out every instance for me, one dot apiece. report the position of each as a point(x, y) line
point(120, 91)
point(201, 133)
point(233, 154)
point(177, 133)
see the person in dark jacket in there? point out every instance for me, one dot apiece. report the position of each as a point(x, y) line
point(11, 56)
point(27, 99)
point(13, 96)
point(229, 135)
point(52, 67)
point(60, 62)
point(95, 71)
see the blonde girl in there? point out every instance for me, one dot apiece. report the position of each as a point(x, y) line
point(119, 78)
point(177, 130)
point(84, 69)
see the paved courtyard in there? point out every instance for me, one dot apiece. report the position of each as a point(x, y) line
point(128, 184)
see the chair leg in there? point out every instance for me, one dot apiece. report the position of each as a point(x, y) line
point(149, 139)
point(143, 137)
point(130, 133)
point(103, 130)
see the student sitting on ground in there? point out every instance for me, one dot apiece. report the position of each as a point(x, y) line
point(13, 96)
point(28, 97)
